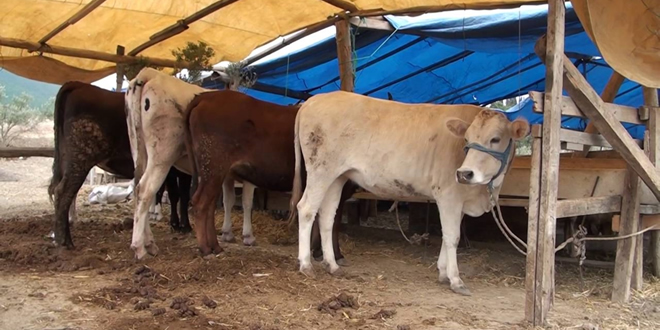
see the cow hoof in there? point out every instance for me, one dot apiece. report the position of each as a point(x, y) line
point(140, 252)
point(461, 289)
point(343, 262)
point(249, 240)
point(152, 249)
point(186, 229)
point(332, 269)
point(308, 271)
point(228, 237)
point(319, 258)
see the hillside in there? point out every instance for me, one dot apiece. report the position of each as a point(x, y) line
point(14, 85)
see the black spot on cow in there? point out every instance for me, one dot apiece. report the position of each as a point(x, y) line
point(146, 104)
point(407, 188)
point(315, 140)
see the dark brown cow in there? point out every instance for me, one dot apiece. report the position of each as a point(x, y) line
point(90, 130)
point(234, 136)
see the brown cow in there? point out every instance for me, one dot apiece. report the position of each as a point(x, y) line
point(90, 130)
point(235, 137)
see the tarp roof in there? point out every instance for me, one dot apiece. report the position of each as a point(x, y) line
point(475, 57)
point(233, 30)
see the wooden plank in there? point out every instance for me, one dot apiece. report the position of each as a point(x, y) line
point(583, 138)
point(120, 69)
point(625, 248)
point(89, 54)
point(608, 125)
point(372, 23)
point(569, 108)
point(653, 127)
point(647, 221)
point(532, 230)
point(11, 152)
point(587, 206)
point(553, 57)
point(566, 163)
point(608, 95)
point(345, 55)
point(72, 20)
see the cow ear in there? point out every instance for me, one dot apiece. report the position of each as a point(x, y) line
point(519, 128)
point(457, 127)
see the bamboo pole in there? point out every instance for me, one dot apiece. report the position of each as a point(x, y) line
point(72, 20)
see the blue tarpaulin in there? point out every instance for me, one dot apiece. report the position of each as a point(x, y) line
point(475, 57)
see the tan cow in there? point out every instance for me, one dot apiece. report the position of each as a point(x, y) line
point(397, 150)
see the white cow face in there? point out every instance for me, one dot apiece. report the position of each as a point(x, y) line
point(489, 144)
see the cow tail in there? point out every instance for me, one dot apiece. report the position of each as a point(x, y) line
point(58, 131)
point(296, 192)
point(189, 145)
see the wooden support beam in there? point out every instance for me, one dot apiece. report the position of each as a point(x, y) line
point(589, 205)
point(180, 26)
point(554, 58)
point(72, 20)
point(287, 41)
point(345, 5)
point(653, 150)
point(569, 108)
point(608, 95)
point(345, 55)
point(625, 248)
point(84, 53)
point(10, 152)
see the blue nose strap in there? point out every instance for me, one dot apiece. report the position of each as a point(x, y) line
point(501, 156)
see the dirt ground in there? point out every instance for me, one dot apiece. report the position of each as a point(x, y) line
point(389, 284)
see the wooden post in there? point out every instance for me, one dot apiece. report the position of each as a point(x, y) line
point(653, 127)
point(344, 55)
point(625, 248)
point(533, 224)
point(120, 69)
point(543, 284)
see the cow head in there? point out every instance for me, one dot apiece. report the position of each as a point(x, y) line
point(489, 146)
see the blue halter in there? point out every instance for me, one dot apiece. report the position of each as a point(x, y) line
point(501, 156)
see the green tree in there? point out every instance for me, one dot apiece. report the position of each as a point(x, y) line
point(17, 116)
point(198, 55)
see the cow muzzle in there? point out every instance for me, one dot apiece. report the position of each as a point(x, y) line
point(464, 176)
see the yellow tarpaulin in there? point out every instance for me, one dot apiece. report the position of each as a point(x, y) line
point(233, 31)
point(627, 34)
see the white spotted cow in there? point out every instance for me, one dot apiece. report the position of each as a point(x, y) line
point(396, 150)
point(156, 104)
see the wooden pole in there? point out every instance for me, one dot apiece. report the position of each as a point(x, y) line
point(88, 54)
point(120, 69)
point(72, 20)
point(344, 55)
point(533, 224)
point(653, 127)
point(543, 286)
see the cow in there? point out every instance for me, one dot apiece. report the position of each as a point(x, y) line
point(235, 137)
point(455, 154)
point(90, 130)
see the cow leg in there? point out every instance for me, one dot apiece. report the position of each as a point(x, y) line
point(327, 222)
point(185, 181)
point(73, 214)
point(317, 251)
point(307, 209)
point(142, 241)
point(228, 201)
point(248, 199)
point(203, 209)
point(65, 193)
point(450, 218)
point(173, 195)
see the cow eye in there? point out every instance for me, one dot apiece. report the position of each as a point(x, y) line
point(495, 140)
